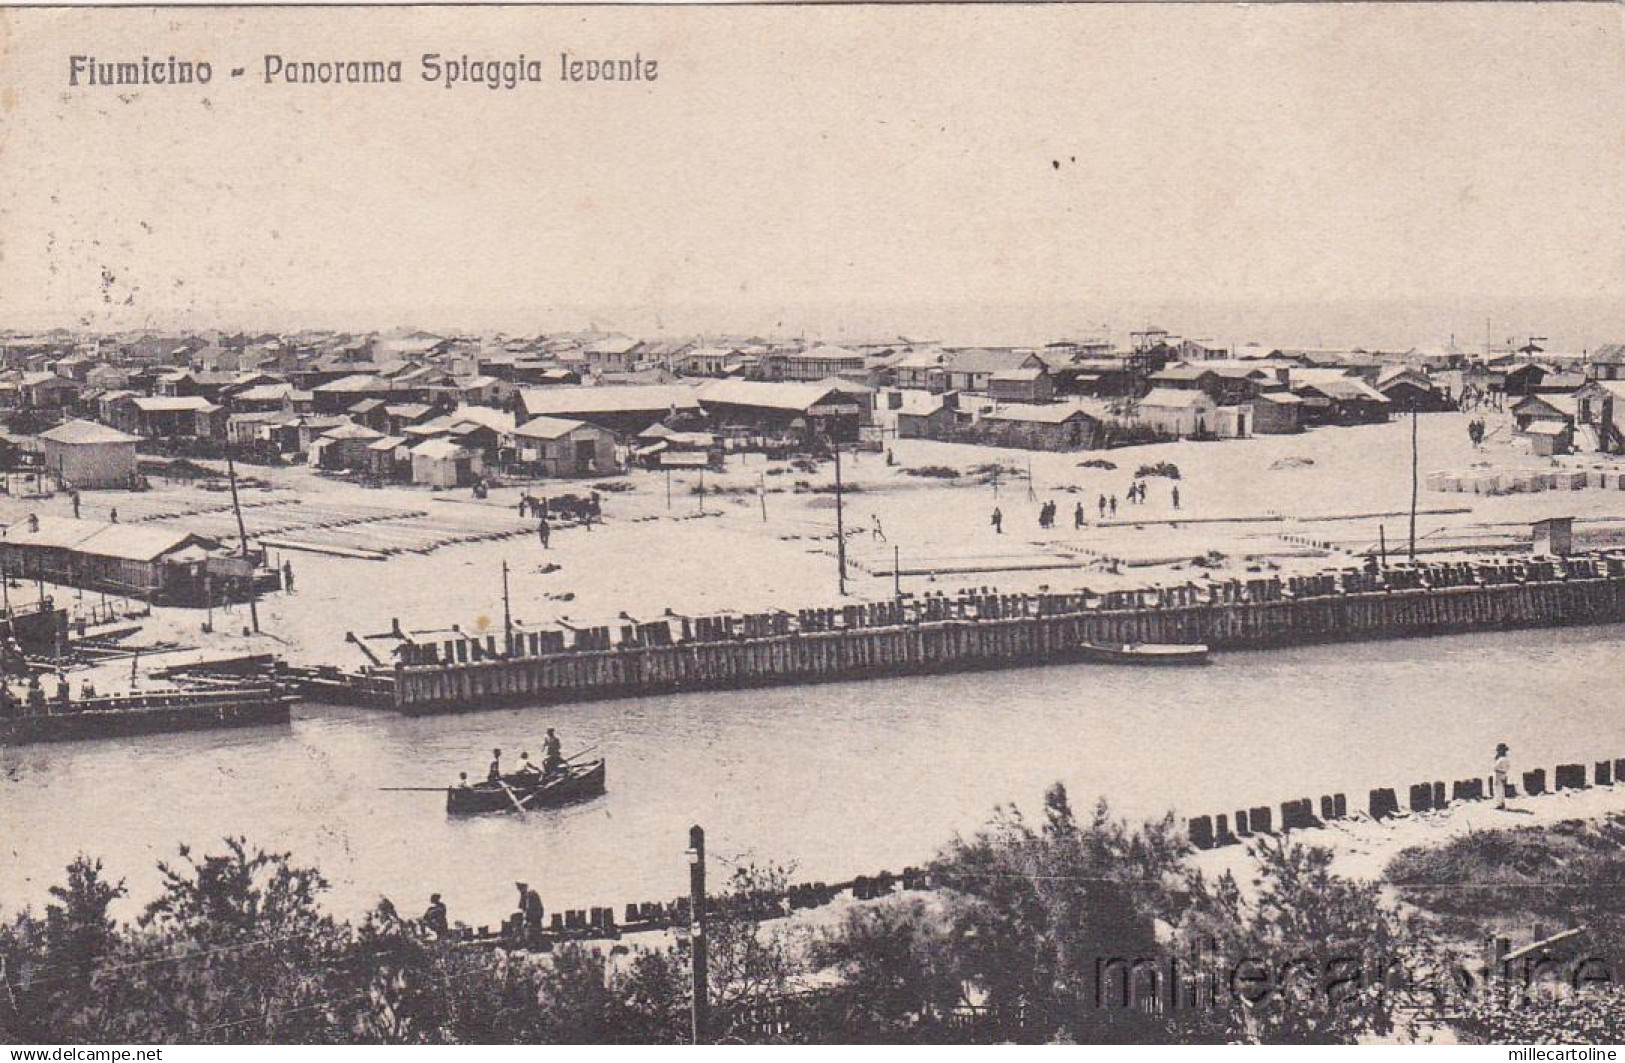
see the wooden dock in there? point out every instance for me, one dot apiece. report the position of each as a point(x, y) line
point(940, 634)
point(125, 715)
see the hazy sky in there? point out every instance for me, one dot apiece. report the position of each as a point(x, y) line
point(1340, 172)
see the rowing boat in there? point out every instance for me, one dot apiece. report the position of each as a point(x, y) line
point(1146, 653)
point(524, 793)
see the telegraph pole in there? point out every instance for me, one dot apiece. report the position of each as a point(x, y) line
point(1413, 485)
point(507, 613)
point(242, 539)
point(840, 520)
point(700, 1013)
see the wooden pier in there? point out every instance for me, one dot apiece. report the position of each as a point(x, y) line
point(940, 634)
point(121, 716)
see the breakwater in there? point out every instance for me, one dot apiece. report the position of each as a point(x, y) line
point(983, 630)
point(123, 715)
point(1226, 828)
point(607, 923)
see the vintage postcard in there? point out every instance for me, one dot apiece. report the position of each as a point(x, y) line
point(849, 524)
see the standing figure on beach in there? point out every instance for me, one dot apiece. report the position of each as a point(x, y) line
point(1102, 507)
point(998, 521)
point(879, 532)
point(1498, 781)
point(1077, 516)
point(1176, 496)
point(544, 532)
point(1114, 505)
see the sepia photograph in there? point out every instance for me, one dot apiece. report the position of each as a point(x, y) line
point(812, 524)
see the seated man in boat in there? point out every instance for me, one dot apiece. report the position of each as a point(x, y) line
point(528, 769)
point(462, 780)
point(552, 753)
point(494, 772)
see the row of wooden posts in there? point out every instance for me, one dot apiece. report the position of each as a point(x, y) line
point(1213, 831)
point(984, 604)
point(600, 923)
point(976, 630)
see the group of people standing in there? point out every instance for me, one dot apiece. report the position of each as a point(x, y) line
point(1105, 504)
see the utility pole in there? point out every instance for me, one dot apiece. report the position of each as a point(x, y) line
point(1413, 486)
point(896, 571)
point(507, 613)
point(840, 521)
point(761, 493)
point(702, 491)
point(700, 1013)
point(668, 487)
point(242, 539)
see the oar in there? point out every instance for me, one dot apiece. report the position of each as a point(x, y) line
point(414, 789)
point(511, 797)
point(581, 754)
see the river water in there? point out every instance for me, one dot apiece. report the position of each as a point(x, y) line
point(839, 779)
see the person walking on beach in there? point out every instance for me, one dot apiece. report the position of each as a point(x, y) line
point(879, 532)
point(998, 521)
point(1102, 507)
point(1114, 505)
point(1077, 517)
point(1176, 496)
point(1498, 781)
point(544, 532)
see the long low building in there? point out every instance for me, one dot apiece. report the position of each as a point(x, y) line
point(625, 410)
point(162, 565)
point(826, 410)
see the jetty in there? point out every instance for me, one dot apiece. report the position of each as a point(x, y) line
point(979, 630)
point(124, 715)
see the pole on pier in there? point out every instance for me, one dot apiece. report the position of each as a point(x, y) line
point(242, 538)
point(1413, 485)
point(840, 520)
point(1382, 543)
point(668, 487)
point(702, 491)
point(700, 1013)
point(761, 493)
point(507, 614)
point(896, 571)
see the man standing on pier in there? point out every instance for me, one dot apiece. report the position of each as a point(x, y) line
point(530, 910)
point(435, 916)
point(1498, 781)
